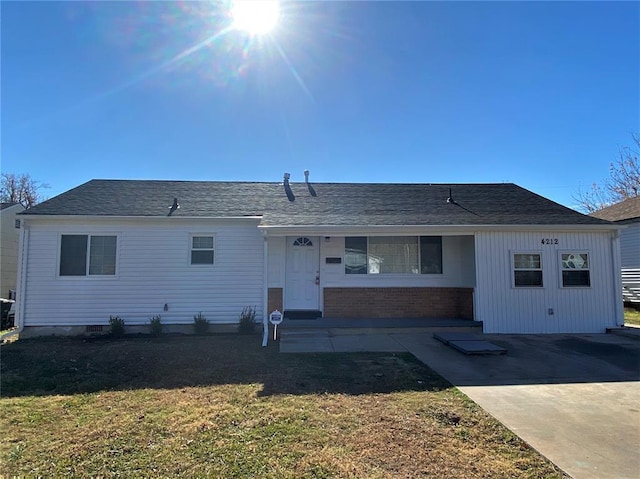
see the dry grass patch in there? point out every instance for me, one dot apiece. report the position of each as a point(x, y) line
point(222, 406)
point(632, 316)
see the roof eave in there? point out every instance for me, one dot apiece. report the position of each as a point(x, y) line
point(125, 217)
point(324, 230)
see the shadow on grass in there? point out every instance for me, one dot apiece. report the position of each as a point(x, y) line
point(52, 366)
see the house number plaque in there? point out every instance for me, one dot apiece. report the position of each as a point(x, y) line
point(549, 241)
point(275, 318)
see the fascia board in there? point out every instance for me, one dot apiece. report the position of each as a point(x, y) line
point(325, 230)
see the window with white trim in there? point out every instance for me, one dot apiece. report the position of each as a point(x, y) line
point(202, 249)
point(393, 255)
point(527, 270)
point(576, 270)
point(92, 255)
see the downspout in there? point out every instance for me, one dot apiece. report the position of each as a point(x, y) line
point(476, 309)
point(23, 256)
point(265, 297)
point(617, 278)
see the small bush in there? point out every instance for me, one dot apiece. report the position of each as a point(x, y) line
point(155, 325)
point(200, 324)
point(247, 324)
point(117, 326)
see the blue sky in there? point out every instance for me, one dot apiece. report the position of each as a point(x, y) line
point(541, 94)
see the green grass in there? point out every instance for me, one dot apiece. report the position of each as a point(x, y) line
point(631, 316)
point(222, 406)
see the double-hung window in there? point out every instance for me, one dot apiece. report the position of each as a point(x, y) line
point(88, 255)
point(202, 249)
point(576, 271)
point(393, 255)
point(527, 270)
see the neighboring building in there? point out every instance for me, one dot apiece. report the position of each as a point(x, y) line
point(9, 237)
point(627, 213)
point(496, 253)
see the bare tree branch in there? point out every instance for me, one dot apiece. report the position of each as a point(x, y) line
point(625, 174)
point(21, 189)
point(623, 181)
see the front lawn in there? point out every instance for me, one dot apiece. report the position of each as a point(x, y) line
point(222, 406)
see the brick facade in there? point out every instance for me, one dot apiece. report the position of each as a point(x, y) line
point(398, 303)
point(274, 300)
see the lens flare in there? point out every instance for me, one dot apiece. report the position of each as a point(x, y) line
point(256, 17)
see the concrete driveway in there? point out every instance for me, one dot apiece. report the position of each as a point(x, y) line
point(574, 398)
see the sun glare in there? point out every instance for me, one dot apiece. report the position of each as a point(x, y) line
point(256, 17)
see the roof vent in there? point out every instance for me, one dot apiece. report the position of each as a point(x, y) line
point(450, 199)
point(173, 207)
point(286, 178)
point(306, 176)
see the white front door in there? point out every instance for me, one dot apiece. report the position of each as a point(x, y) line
point(302, 290)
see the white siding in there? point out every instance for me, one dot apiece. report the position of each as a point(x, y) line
point(630, 246)
point(505, 309)
point(153, 268)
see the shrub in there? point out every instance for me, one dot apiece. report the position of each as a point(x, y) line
point(200, 324)
point(117, 326)
point(247, 324)
point(155, 325)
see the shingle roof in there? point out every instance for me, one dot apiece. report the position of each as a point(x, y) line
point(628, 209)
point(354, 204)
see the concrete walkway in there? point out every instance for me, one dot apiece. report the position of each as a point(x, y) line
point(574, 398)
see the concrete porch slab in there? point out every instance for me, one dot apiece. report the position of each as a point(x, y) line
point(306, 344)
point(364, 343)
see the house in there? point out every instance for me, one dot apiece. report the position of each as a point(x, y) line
point(495, 253)
point(627, 213)
point(9, 238)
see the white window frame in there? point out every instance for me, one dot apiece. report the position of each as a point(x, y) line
point(561, 268)
point(88, 256)
point(513, 269)
point(212, 249)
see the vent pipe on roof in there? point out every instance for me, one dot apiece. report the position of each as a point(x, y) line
point(450, 199)
point(173, 207)
point(306, 176)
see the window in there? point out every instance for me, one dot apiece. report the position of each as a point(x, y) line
point(393, 255)
point(355, 255)
point(98, 253)
point(202, 250)
point(527, 270)
point(303, 242)
point(431, 254)
point(575, 270)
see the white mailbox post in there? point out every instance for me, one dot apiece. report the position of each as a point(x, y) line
point(275, 318)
